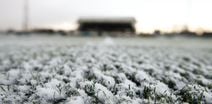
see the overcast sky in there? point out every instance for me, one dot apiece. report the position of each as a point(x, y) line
point(150, 14)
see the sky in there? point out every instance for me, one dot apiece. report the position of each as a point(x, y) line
point(165, 15)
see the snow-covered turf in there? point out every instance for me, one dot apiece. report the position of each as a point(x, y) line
point(73, 70)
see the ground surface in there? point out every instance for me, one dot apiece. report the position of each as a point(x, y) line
point(55, 69)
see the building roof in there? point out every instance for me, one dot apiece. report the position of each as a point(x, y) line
point(107, 20)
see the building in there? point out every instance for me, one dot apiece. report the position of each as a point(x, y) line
point(111, 25)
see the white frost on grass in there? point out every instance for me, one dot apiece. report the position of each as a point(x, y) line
point(53, 83)
point(141, 76)
point(11, 77)
point(76, 100)
point(106, 80)
point(48, 93)
point(161, 88)
point(44, 73)
point(208, 97)
point(104, 95)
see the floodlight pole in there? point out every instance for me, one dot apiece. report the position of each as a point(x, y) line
point(26, 15)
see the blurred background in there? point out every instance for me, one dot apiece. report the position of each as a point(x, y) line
point(141, 17)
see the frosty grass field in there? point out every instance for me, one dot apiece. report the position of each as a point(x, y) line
point(74, 70)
